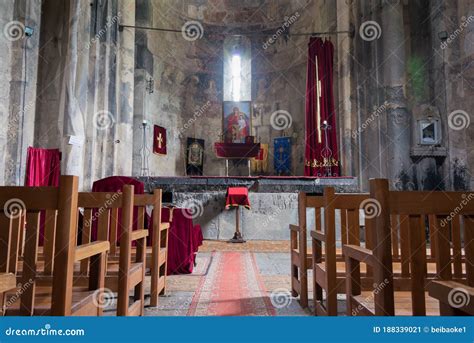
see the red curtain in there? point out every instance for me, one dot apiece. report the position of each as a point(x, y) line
point(321, 153)
point(43, 167)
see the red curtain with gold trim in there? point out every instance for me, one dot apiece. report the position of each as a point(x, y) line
point(321, 152)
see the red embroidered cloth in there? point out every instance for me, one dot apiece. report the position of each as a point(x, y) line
point(237, 196)
point(237, 150)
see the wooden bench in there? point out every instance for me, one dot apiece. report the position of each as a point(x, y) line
point(59, 297)
point(7, 283)
point(416, 212)
point(300, 259)
point(159, 254)
point(127, 276)
point(456, 297)
point(325, 252)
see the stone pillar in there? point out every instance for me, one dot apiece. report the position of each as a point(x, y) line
point(398, 115)
point(18, 72)
point(125, 86)
point(344, 82)
point(74, 88)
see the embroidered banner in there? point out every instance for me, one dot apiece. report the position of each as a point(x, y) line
point(282, 155)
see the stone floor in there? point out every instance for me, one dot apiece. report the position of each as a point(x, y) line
point(272, 262)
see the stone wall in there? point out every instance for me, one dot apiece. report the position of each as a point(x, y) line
point(18, 91)
point(79, 76)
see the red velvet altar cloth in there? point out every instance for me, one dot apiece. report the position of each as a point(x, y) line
point(184, 240)
point(43, 167)
point(115, 184)
point(237, 150)
point(237, 196)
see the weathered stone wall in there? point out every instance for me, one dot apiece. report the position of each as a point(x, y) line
point(18, 72)
point(90, 83)
point(188, 75)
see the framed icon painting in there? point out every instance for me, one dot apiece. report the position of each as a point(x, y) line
point(237, 121)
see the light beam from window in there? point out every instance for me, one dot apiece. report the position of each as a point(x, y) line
point(236, 67)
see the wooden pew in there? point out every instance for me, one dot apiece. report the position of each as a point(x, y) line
point(300, 259)
point(325, 272)
point(59, 297)
point(104, 207)
point(413, 209)
point(7, 283)
point(455, 297)
point(159, 252)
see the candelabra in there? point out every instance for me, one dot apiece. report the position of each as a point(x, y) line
point(144, 151)
point(326, 152)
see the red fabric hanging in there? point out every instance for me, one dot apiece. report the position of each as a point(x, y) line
point(321, 159)
point(43, 167)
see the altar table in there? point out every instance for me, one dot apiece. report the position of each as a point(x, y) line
point(236, 151)
point(236, 197)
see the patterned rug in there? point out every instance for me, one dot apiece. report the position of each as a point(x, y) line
point(231, 287)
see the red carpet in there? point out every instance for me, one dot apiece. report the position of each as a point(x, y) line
point(232, 287)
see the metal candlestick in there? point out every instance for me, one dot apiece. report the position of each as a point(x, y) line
point(326, 152)
point(144, 152)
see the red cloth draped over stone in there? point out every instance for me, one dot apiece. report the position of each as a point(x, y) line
point(184, 240)
point(43, 168)
point(318, 159)
point(115, 184)
point(237, 196)
point(237, 150)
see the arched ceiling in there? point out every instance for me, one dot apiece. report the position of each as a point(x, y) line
point(234, 13)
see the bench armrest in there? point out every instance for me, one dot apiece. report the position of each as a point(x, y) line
point(358, 253)
point(318, 235)
point(7, 282)
point(295, 228)
point(164, 226)
point(138, 234)
point(91, 249)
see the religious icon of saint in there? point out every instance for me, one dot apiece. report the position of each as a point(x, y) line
point(237, 123)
